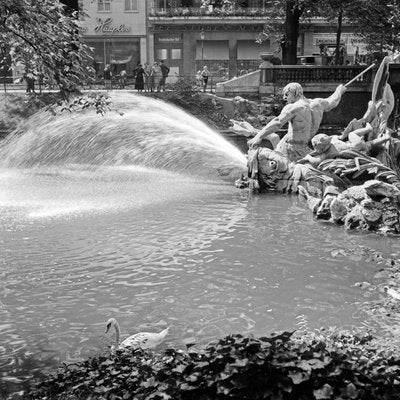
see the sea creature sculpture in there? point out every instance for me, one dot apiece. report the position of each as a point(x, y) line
point(270, 170)
point(143, 340)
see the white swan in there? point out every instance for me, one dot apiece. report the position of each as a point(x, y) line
point(143, 340)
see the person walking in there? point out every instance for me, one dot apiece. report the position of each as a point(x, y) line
point(122, 79)
point(205, 74)
point(164, 72)
point(157, 75)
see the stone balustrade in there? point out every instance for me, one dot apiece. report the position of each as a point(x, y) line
point(281, 74)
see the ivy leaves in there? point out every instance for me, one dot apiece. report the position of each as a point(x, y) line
point(336, 365)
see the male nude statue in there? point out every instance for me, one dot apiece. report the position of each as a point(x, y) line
point(304, 117)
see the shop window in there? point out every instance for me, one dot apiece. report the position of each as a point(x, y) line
point(118, 53)
point(103, 5)
point(162, 54)
point(176, 54)
point(131, 5)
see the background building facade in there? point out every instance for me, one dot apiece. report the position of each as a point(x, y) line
point(187, 37)
point(116, 30)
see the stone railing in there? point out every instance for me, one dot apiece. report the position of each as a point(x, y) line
point(279, 74)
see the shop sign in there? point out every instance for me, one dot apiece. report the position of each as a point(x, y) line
point(169, 39)
point(106, 27)
point(330, 39)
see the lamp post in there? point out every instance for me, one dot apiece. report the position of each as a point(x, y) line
point(202, 35)
point(104, 52)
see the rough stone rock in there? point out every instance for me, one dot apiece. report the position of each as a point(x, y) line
point(313, 203)
point(357, 193)
point(377, 189)
point(371, 210)
point(339, 209)
point(333, 190)
point(244, 106)
point(355, 220)
point(350, 202)
point(324, 210)
point(390, 215)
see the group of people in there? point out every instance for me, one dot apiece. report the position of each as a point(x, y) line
point(151, 78)
point(147, 78)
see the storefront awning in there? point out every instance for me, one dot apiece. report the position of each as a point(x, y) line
point(212, 50)
point(250, 50)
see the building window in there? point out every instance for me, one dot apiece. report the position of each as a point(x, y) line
point(131, 5)
point(162, 54)
point(176, 54)
point(103, 5)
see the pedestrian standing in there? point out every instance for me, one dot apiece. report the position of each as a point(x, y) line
point(30, 83)
point(164, 72)
point(107, 76)
point(139, 83)
point(146, 77)
point(157, 75)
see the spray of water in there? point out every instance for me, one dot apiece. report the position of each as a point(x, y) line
point(141, 153)
point(144, 132)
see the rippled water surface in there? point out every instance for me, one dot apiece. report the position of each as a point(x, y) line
point(156, 247)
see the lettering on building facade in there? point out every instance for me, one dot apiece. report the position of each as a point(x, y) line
point(106, 27)
point(169, 39)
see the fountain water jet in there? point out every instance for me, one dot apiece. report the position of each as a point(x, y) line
point(145, 132)
point(144, 153)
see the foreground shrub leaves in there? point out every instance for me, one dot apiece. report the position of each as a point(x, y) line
point(280, 367)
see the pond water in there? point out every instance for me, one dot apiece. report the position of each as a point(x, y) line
point(126, 216)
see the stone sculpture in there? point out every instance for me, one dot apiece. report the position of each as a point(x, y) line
point(358, 186)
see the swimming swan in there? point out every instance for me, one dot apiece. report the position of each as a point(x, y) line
point(143, 340)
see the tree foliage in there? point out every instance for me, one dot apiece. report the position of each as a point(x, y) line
point(45, 40)
point(376, 22)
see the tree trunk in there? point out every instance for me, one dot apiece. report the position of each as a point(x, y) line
point(338, 36)
point(292, 30)
point(72, 4)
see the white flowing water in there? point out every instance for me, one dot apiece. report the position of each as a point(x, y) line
point(125, 215)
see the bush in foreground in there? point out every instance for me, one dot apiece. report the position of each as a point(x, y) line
point(333, 366)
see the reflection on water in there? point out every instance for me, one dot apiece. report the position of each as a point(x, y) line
point(155, 247)
point(200, 256)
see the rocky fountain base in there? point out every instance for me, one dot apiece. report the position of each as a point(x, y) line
point(372, 206)
point(357, 191)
